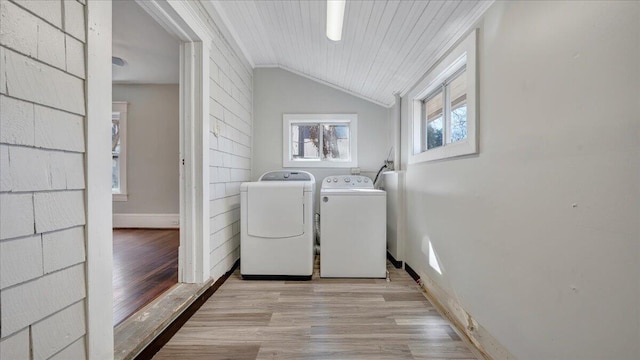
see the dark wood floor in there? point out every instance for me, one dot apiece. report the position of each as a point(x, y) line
point(145, 264)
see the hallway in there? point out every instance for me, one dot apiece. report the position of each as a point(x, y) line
point(145, 264)
point(319, 319)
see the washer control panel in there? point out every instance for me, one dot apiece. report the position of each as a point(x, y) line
point(347, 182)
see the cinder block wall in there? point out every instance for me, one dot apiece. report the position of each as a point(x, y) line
point(231, 106)
point(42, 179)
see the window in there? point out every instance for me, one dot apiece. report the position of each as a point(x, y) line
point(319, 140)
point(119, 150)
point(444, 107)
point(445, 112)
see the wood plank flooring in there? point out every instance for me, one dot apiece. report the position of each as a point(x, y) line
point(145, 264)
point(318, 319)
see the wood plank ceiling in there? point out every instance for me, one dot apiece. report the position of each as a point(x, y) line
point(386, 46)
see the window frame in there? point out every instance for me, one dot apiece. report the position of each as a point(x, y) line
point(321, 119)
point(459, 60)
point(121, 107)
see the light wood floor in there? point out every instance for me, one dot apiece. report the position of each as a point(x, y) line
point(319, 319)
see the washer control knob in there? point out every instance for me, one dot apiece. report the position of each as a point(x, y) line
point(328, 180)
point(366, 180)
point(335, 179)
point(286, 175)
point(347, 180)
point(359, 180)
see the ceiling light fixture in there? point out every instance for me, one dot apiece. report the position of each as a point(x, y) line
point(118, 61)
point(335, 18)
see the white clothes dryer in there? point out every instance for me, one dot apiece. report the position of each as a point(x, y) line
point(276, 226)
point(352, 228)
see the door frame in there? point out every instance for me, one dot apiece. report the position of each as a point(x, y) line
point(182, 21)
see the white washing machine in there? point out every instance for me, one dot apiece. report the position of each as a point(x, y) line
point(276, 226)
point(352, 228)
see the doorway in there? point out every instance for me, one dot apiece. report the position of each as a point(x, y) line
point(178, 19)
point(146, 158)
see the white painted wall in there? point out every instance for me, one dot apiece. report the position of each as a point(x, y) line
point(230, 112)
point(279, 92)
point(393, 132)
point(150, 53)
point(538, 236)
point(42, 187)
point(152, 149)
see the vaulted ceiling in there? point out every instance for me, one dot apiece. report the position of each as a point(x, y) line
point(386, 45)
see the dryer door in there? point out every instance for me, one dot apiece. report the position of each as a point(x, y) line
point(275, 209)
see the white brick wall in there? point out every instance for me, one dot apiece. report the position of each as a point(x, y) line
point(29, 302)
point(61, 249)
point(53, 333)
point(20, 260)
point(16, 215)
point(57, 210)
point(51, 47)
point(19, 30)
point(3, 65)
point(5, 179)
point(53, 87)
point(15, 346)
point(16, 122)
point(55, 129)
point(230, 109)
point(75, 57)
point(75, 351)
point(42, 179)
point(49, 10)
point(74, 19)
point(47, 170)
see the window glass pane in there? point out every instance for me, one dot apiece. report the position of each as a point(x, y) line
point(115, 153)
point(335, 142)
point(435, 120)
point(115, 174)
point(304, 141)
point(458, 96)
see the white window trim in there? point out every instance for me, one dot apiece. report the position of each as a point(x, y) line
point(463, 54)
point(288, 119)
point(121, 107)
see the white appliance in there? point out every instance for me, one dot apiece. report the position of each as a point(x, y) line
point(352, 228)
point(276, 226)
point(394, 186)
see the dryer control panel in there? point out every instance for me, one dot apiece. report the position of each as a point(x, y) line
point(347, 182)
point(286, 176)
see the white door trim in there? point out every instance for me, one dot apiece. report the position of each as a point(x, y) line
point(181, 20)
point(99, 301)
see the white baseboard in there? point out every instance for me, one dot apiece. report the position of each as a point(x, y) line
point(152, 221)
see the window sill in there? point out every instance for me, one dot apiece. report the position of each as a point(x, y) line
point(120, 197)
point(453, 150)
point(318, 164)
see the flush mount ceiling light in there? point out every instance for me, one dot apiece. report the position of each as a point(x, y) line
point(117, 61)
point(335, 17)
